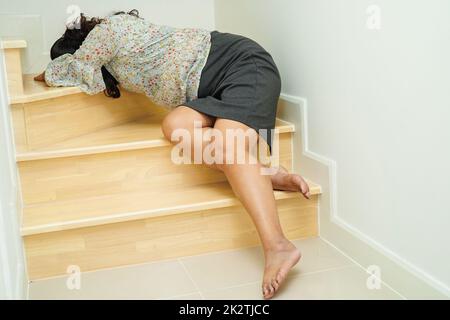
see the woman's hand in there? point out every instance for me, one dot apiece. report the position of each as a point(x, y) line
point(40, 77)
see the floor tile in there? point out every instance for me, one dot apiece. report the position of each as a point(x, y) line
point(231, 268)
point(345, 283)
point(323, 273)
point(148, 281)
point(342, 283)
point(250, 291)
point(225, 269)
point(192, 296)
point(317, 255)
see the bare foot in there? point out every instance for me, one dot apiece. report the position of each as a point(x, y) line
point(283, 180)
point(278, 264)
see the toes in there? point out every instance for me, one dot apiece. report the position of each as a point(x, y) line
point(280, 277)
point(268, 291)
point(270, 288)
point(301, 184)
point(275, 284)
point(305, 189)
point(271, 292)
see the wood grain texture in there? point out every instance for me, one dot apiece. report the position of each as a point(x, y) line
point(37, 91)
point(56, 216)
point(56, 120)
point(114, 192)
point(159, 238)
point(14, 72)
point(20, 129)
point(142, 133)
point(113, 173)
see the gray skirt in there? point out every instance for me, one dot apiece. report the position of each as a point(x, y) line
point(240, 82)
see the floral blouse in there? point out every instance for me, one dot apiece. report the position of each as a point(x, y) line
point(163, 62)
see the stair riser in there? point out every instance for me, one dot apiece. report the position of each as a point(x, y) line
point(117, 172)
point(42, 123)
point(159, 238)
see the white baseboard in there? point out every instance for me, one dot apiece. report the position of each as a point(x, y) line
point(408, 280)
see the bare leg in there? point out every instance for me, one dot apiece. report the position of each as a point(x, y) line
point(256, 194)
point(255, 191)
point(184, 117)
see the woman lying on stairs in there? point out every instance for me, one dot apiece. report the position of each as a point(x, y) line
point(210, 81)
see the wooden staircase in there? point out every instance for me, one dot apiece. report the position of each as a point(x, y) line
point(99, 188)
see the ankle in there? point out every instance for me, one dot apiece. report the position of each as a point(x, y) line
point(278, 245)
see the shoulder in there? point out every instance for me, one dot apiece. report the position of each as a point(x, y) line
point(124, 23)
point(120, 19)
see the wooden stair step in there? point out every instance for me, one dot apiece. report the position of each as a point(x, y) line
point(37, 91)
point(65, 215)
point(101, 174)
point(140, 134)
point(160, 238)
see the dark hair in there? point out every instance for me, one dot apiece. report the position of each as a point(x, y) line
point(73, 39)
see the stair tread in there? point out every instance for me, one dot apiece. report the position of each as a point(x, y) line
point(138, 134)
point(37, 91)
point(71, 214)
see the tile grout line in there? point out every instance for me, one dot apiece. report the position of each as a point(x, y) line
point(322, 271)
point(362, 267)
point(191, 278)
point(140, 264)
point(289, 277)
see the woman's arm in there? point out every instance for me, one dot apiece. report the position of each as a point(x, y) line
point(83, 68)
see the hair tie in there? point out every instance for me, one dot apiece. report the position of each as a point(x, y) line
point(74, 23)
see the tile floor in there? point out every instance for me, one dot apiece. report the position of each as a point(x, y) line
point(323, 273)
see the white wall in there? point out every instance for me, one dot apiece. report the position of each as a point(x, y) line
point(12, 265)
point(378, 104)
point(42, 22)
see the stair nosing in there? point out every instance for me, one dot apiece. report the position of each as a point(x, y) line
point(124, 217)
point(57, 93)
point(12, 44)
point(151, 213)
point(81, 151)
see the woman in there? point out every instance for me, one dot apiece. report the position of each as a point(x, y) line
point(210, 80)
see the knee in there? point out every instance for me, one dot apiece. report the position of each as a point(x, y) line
point(170, 123)
point(237, 149)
